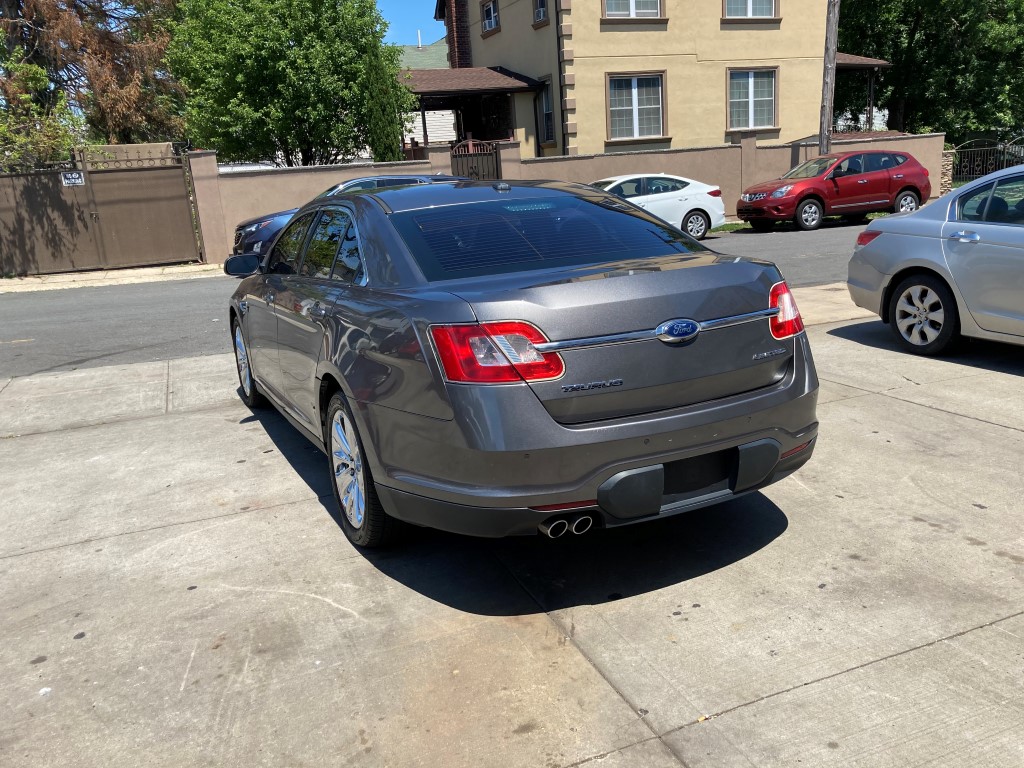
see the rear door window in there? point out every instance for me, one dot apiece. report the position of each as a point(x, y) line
point(506, 236)
point(284, 259)
point(328, 233)
point(657, 185)
point(349, 266)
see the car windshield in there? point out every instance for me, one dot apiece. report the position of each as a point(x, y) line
point(810, 169)
point(507, 236)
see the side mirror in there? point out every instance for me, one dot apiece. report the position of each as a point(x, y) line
point(242, 264)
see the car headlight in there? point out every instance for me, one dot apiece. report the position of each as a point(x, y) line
point(258, 225)
point(782, 191)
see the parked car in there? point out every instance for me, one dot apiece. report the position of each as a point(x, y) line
point(848, 184)
point(497, 358)
point(952, 268)
point(253, 235)
point(693, 206)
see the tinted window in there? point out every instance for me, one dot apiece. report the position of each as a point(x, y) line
point(657, 185)
point(323, 244)
point(971, 206)
point(284, 258)
point(519, 235)
point(349, 266)
point(396, 182)
point(850, 166)
point(356, 186)
point(628, 188)
point(900, 159)
point(877, 161)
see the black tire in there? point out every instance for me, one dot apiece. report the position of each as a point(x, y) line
point(247, 388)
point(369, 526)
point(906, 201)
point(923, 315)
point(809, 214)
point(696, 225)
point(762, 225)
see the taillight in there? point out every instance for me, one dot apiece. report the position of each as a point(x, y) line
point(716, 192)
point(494, 353)
point(866, 237)
point(788, 322)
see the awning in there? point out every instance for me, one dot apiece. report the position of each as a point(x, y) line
point(467, 81)
point(849, 61)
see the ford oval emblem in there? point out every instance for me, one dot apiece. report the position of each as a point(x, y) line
point(677, 331)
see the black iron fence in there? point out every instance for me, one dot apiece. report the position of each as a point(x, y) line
point(976, 158)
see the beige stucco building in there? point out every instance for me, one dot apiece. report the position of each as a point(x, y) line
point(621, 75)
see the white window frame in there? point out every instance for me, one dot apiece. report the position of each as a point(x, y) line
point(486, 25)
point(750, 99)
point(632, 13)
point(540, 10)
point(750, 11)
point(636, 105)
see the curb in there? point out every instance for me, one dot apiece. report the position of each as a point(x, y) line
point(97, 279)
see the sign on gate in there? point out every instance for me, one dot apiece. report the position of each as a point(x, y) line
point(72, 178)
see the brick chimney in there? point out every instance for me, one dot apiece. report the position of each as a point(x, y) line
point(456, 22)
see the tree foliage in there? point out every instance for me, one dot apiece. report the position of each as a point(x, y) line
point(299, 82)
point(956, 64)
point(36, 127)
point(103, 58)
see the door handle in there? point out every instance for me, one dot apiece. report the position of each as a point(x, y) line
point(898, 176)
point(269, 298)
point(318, 311)
point(966, 237)
point(862, 181)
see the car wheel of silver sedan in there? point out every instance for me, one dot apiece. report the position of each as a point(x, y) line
point(906, 202)
point(923, 315)
point(250, 394)
point(696, 225)
point(362, 517)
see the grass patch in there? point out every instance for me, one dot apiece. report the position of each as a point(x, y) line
point(731, 227)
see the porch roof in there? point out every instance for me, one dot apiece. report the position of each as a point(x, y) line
point(467, 81)
point(849, 61)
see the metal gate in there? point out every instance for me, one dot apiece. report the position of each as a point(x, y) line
point(978, 157)
point(476, 159)
point(113, 207)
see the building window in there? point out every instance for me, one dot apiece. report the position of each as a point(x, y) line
point(749, 9)
point(752, 99)
point(489, 16)
point(632, 9)
point(635, 107)
point(540, 10)
point(547, 116)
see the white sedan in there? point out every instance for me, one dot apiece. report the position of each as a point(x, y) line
point(691, 205)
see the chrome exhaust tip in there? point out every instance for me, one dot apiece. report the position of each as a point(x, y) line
point(554, 528)
point(582, 524)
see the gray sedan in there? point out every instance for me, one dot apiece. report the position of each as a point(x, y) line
point(952, 268)
point(498, 359)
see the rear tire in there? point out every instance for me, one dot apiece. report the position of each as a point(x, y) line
point(762, 225)
point(696, 225)
point(247, 383)
point(906, 201)
point(808, 215)
point(361, 515)
point(923, 315)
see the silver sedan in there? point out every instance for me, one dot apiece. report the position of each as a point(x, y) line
point(953, 268)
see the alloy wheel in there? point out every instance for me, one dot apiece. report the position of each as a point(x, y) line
point(908, 204)
point(810, 215)
point(920, 315)
point(242, 361)
point(696, 226)
point(348, 470)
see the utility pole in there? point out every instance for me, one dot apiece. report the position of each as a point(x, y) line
point(828, 84)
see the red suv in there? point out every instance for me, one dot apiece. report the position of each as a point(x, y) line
point(851, 185)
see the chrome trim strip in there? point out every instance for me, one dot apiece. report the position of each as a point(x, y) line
point(626, 338)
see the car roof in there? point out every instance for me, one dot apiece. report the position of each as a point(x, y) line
point(623, 176)
point(445, 193)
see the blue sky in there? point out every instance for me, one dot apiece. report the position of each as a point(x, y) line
point(404, 17)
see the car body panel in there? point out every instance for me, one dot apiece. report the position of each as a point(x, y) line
point(674, 205)
point(479, 458)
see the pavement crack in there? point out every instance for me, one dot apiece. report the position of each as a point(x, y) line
point(881, 659)
point(6, 385)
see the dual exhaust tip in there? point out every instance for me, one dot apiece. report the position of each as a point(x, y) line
point(559, 527)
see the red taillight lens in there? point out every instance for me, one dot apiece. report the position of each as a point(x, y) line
point(866, 237)
point(494, 353)
point(716, 192)
point(788, 322)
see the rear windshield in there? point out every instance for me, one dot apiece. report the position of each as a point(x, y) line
point(519, 235)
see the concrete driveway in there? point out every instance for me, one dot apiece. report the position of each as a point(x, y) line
point(176, 592)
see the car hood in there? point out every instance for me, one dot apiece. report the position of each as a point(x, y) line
point(264, 217)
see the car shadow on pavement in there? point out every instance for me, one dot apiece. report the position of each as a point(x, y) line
point(524, 575)
point(978, 353)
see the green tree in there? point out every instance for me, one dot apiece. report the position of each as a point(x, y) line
point(956, 63)
point(298, 82)
point(36, 127)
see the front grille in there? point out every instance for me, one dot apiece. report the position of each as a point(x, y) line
point(238, 236)
point(750, 198)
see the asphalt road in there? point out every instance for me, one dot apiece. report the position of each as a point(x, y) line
point(87, 327)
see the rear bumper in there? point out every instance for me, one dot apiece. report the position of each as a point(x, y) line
point(627, 497)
